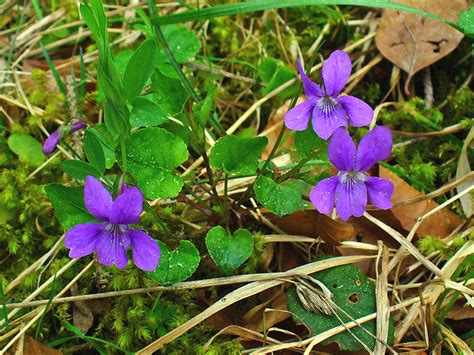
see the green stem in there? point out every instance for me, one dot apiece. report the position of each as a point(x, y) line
point(161, 38)
point(123, 153)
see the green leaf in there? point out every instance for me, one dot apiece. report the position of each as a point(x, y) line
point(354, 293)
point(203, 109)
point(78, 169)
point(68, 203)
point(261, 5)
point(139, 69)
point(94, 151)
point(146, 113)
point(177, 265)
point(281, 199)
point(152, 154)
point(274, 73)
point(89, 18)
point(105, 139)
point(108, 86)
point(183, 42)
point(308, 144)
point(466, 21)
point(170, 94)
point(229, 251)
point(236, 155)
point(28, 149)
point(114, 120)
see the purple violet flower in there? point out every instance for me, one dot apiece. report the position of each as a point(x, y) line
point(328, 109)
point(52, 141)
point(352, 186)
point(111, 238)
point(76, 126)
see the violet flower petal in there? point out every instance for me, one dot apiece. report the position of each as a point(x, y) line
point(312, 90)
point(112, 248)
point(51, 142)
point(359, 113)
point(373, 147)
point(81, 239)
point(145, 250)
point(325, 123)
point(97, 199)
point(342, 150)
point(127, 207)
point(298, 117)
point(336, 71)
point(76, 126)
point(380, 192)
point(351, 200)
point(322, 195)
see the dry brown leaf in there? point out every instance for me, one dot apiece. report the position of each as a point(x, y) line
point(413, 42)
point(81, 314)
point(460, 313)
point(310, 223)
point(31, 346)
point(259, 320)
point(440, 224)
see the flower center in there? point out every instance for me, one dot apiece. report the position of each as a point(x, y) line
point(117, 230)
point(351, 178)
point(327, 104)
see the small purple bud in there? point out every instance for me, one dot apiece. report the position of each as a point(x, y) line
point(76, 126)
point(51, 142)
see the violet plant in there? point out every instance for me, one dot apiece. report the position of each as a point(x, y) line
point(113, 236)
point(149, 130)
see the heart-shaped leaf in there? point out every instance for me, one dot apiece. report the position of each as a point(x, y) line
point(177, 265)
point(152, 154)
point(170, 93)
point(281, 199)
point(229, 251)
point(236, 155)
point(146, 113)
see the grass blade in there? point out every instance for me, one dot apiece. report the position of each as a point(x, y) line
point(260, 5)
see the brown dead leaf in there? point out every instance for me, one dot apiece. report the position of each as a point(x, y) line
point(258, 320)
point(413, 42)
point(461, 313)
point(440, 224)
point(81, 313)
point(31, 346)
point(310, 223)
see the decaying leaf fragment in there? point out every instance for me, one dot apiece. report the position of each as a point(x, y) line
point(413, 42)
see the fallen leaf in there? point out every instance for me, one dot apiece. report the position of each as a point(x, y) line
point(81, 313)
point(460, 313)
point(310, 223)
point(31, 346)
point(413, 42)
point(440, 224)
point(259, 320)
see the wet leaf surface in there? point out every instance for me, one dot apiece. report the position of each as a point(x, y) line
point(229, 251)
